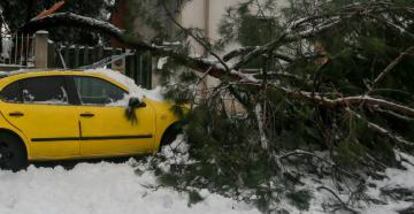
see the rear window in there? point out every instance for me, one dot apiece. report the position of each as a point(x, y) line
point(11, 93)
point(47, 90)
point(39, 90)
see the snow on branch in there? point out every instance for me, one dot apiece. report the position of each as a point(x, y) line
point(72, 20)
point(351, 101)
point(287, 37)
point(381, 130)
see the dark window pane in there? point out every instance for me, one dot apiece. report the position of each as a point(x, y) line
point(11, 93)
point(47, 90)
point(95, 91)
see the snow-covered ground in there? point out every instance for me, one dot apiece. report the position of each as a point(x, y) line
point(99, 188)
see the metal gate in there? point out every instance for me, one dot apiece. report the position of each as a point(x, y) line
point(135, 64)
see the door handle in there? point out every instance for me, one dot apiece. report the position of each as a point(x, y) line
point(16, 114)
point(87, 114)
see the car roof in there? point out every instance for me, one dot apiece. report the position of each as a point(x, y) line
point(11, 76)
point(40, 72)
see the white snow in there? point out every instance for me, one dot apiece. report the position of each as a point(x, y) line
point(99, 188)
point(106, 188)
point(161, 62)
point(103, 188)
point(395, 178)
point(399, 177)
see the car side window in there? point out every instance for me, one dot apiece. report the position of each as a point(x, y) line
point(95, 91)
point(11, 93)
point(45, 90)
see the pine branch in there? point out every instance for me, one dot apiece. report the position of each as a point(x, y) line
point(392, 25)
point(396, 115)
point(350, 101)
point(244, 50)
point(381, 130)
point(390, 67)
point(68, 19)
point(260, 121)
point(343, 204)
point(306, 153)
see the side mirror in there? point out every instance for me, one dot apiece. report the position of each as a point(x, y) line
point(135, 102)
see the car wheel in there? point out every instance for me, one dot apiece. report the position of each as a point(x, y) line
point(169, 138)
point(170, 135)
point(12, 153)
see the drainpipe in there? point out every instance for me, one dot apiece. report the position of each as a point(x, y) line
point(204, 82)
point(207, 21)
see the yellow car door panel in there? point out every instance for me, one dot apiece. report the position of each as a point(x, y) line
point(109, 132)
point(104, 129)
point(40, 110)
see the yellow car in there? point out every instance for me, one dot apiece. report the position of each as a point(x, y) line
point(56, 115)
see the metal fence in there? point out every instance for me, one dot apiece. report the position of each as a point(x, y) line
point(17, 50)
point(135, 64)
point(29, 51)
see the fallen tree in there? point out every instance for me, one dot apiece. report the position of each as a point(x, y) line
point(217, 70)
point(333, 77)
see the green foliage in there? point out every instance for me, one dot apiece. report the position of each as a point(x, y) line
point(300, 199)
point(349, 153)
point(256, 31)
point(226, 145)
point(194, 197)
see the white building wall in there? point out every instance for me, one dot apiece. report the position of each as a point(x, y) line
point(207, 15)
point(217, 11)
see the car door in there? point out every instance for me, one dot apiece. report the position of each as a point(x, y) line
point(105, 130)
point(39, 107)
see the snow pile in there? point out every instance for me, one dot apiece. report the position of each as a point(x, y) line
point(396, 179)
point(174, 154)
point(134, 90)
point(401, 178)
point(102, 188)
point(131, 188)
point(99, 188)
